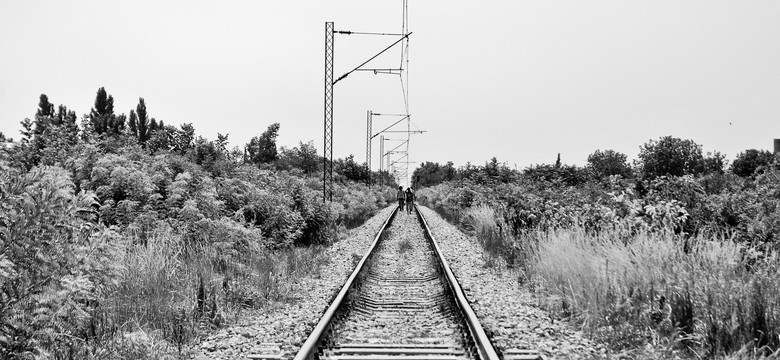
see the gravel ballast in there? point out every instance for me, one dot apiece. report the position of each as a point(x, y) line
point(505, 308)
point(402, 299)
point(285, 326)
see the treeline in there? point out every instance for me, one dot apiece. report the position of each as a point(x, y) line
point(667, 156)
point(55, 132)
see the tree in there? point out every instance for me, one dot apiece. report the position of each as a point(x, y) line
point(133, 124)
point(64, 116)
point(715, 163)
point(428, 174)
point(43, 116)
point(747, 162)
point(221, 143)
point(350, 169)
point(143, 122)
point(670, 156)
point(262, 149)
point(104, 103)
point(183, 139)
point(607, 163)
point(570, 175)
point(45, 134)
point(160, 138)
point(45, 108)
point(102, 116)
point(303, 157)
point(431, 173)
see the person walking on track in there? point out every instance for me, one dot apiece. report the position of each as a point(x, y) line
point(401, 198)
point(409, 200)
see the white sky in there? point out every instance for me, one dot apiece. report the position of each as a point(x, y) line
point(519, 80)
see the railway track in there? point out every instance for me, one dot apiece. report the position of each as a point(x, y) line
point(402, 302)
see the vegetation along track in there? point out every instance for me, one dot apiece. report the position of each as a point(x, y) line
point(402, 302)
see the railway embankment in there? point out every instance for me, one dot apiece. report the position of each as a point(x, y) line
point(280, 328)
point(508, 311)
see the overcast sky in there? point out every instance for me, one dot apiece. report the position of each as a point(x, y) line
point(519, 80)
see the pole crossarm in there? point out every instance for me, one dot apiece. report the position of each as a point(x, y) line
point(346, 32)
point(394, 124)
point(375, 70)
point(399, 145)
point(399, 159)
point(372, 58)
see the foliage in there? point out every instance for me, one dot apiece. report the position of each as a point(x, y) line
point(670, 156)
point(749, 161)
point(350, 169)
point(303, 157)
point(102, 116)
point(123, 242)
point(605, 251)
point(262, 149)
point(608, 163)
point(716, 300)
point(562, 174)
point(429, 174)
point(55, 264)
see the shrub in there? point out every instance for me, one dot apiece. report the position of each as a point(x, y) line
point(749, 161)
point(670, 156)
point(608, 163)
point(55, 264)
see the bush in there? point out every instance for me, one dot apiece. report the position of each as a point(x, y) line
point(670, 156)
point(748, 162)
point(55, 266)
point(608, 163)
point(609, 251)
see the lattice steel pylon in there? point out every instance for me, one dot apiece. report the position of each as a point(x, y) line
point(327, 159)
point(327, 173)
point(368, 147)
point(381, 160)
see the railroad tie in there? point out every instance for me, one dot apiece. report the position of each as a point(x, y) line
point(268, 351)
point(522, 354)
point(399, 304)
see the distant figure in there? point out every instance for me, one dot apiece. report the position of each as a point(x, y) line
point(401, 198)
point(409, 200)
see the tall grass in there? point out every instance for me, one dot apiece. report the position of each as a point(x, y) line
point(170, 293)
point(720, 297)
point(497, 241)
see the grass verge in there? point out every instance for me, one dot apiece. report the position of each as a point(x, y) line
point(652, 295)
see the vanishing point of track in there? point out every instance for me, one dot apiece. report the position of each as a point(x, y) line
point(402, 302)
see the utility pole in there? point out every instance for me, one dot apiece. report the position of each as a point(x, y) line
point(381, 160)
point(389, 129)
point(327, 159)
point(368, 147)
point(327, 172)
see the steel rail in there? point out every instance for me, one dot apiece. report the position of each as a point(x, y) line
point(481, 340)
point(309, 348)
